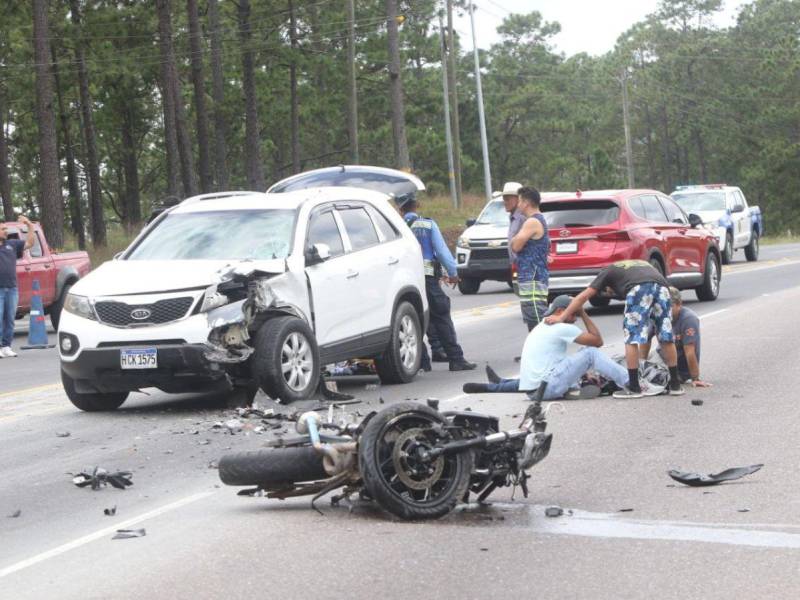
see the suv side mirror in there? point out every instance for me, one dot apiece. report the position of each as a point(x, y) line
point(317, 253)
point(695, 220)
point(738, 208)
point(471, 222)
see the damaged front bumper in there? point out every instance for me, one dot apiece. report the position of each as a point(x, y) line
point(181, 368)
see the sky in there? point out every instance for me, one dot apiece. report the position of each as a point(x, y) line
point(591, 26)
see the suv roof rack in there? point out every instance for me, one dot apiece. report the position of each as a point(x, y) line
point(216, 196)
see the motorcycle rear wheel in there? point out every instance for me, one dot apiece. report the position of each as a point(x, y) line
point(272, 466)
point(400, 483)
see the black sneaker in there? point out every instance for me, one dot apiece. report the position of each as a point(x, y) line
point(475, 388)
point(491, 375)
point(439, 357)
point(462, 365)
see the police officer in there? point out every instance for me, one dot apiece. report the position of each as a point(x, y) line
point(435, 254)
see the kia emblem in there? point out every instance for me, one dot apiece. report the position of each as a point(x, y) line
point(140, 314)
point(565, 233)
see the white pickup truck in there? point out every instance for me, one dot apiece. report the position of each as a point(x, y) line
point(724, 209)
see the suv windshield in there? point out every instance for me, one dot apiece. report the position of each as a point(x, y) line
point(494, 214)
point(581, 213)
point(700, 201)
point(219, 235)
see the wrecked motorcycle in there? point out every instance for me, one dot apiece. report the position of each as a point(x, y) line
point(414, 461)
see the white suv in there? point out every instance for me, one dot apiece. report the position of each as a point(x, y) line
point(248, 289)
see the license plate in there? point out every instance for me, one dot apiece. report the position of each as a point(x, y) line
point(138, 358)
point(566, 247)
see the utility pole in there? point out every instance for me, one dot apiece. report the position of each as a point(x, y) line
point(487, 175)
point(447, 133)
point(352, 90)
point(627, 125)
point(452, 79)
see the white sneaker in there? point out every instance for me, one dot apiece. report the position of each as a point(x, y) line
point(7, 352)
point(651, 389)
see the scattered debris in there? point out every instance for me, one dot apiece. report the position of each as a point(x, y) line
point(99, 477)
point(15, 514)
point(737, 396)
point(625, 510)
point(433, 403)
point(553, 511)
point(255, 413)
point(63, 434)
point(213, 464)
point(697, 403)
point(697, 479)
point(204, 442)
point(110, 512)
point(371, 387)
point(381, 400)
point(250, 492)
point(124, 534)
point(484, 549)
point(743, 510)
point(233, 425)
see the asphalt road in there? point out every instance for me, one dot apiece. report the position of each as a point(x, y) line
point(736, 540)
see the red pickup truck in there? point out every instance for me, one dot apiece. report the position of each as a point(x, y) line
point(56, 272)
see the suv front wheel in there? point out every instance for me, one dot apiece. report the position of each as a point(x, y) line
point(400, 362)
point(286, 359)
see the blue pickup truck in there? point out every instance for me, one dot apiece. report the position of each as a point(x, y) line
point(724, 209)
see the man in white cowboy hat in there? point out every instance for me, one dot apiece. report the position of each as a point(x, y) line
point(510, 196)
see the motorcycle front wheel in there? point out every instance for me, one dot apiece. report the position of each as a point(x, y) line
point(395, 474)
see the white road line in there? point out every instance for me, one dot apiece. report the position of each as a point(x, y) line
point(100, 534)
point(587, 524)
point(711, 314)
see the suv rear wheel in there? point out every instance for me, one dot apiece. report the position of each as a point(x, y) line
point(92, 402)
point(469, 286)
point(751, 250)
point(286, 360)
point(400, 362)
point(709, 290)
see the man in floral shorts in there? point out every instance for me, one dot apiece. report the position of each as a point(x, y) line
point(647, 300)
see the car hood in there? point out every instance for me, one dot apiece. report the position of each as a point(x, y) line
point(120, 277)
point(487, 232)
point(711, 217)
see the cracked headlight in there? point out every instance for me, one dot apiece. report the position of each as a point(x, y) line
point(213, 300)
point(462, 242)
point(80, 306)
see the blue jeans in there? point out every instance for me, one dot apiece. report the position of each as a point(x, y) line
point(567, 372)
point(8, 312)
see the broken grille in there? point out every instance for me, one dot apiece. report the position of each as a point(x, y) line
point(163, 311)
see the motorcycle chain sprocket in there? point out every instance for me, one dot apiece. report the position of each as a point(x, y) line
point(401, 467)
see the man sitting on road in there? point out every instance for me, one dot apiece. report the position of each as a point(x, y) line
point(686, 330)
point(544, 357)
point(646, 295)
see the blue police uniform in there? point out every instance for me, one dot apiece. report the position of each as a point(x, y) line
point(435, 255)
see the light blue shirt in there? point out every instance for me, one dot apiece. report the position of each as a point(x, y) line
point(544, 347)
point(440, 248)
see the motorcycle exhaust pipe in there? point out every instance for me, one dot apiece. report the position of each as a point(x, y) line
point(335, 459)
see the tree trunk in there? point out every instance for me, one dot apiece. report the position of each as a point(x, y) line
point(295, 103)
point(401, 158)
point(218, 93)
point(666, 144)
point(452, 86)
point(182, 129)
point(97, 222)
point(196, 48)
point(5, 178)
point(352, 89)
point(51, 202)
point(167, 99)
point(133, 207)
point(76, 219)
point(252, 142)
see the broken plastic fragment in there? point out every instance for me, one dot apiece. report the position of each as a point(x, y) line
point(553, 511)
point(697, 403)
point(110, 512)
point(123, 534)
point(99, 477)
point(63, 434)
point(697, 480)
point(15, 514)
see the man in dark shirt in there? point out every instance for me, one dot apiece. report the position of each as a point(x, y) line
point(531, 245)
point(686, 330)
point(10, 251)
point(647, 298)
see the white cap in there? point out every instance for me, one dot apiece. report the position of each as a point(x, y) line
point(511, 188)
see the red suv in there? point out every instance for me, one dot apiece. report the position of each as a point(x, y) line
point(589, 230)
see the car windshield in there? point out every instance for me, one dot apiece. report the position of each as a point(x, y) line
point(219, 235)
point(494, 214)
point(695, 201)
point(581, 213)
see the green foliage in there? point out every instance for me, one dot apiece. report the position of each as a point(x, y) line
point(707, 104)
